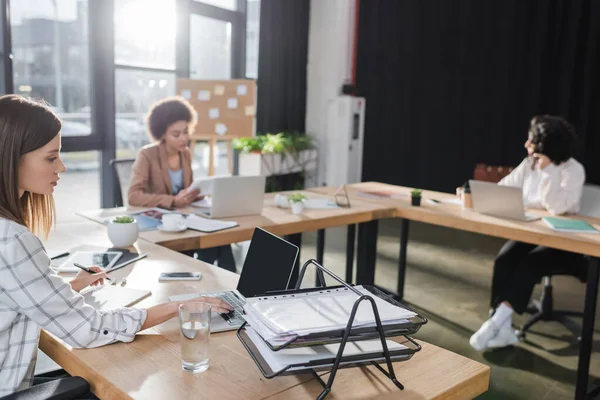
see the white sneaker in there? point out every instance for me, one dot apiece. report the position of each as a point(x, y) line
point(480, 339)
point(505, 337)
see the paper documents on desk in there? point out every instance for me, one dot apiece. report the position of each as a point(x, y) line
point(205, 185)
point(279, 360)
point(112, 297)
point(201, 224)
point(276, 318)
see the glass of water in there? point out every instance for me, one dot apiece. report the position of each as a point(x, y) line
point(194, 320)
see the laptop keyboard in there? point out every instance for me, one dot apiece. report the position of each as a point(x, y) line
point(234, 317)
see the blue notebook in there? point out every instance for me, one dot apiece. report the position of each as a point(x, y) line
point(569, 225)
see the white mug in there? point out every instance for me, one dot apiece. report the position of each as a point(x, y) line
point(172, 221)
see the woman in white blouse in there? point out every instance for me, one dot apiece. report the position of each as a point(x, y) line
point(552, 180)
point(32, 296)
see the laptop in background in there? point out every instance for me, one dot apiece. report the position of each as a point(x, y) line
point(268, 267)
point(235, 196)
point(499, 201)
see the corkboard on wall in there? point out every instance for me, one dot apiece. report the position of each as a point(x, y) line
point(226, 109)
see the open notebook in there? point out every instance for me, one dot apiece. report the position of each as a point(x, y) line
point(111, 297)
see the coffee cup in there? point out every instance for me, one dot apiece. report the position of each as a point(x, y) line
point(172, 222)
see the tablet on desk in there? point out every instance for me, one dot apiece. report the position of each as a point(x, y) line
point(103, 259)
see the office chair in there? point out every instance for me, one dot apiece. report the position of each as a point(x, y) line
point(60, 389)
point(543, 309)
point(122, 168)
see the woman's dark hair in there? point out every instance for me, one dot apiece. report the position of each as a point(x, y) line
point(25, 126)
point(553, 137)
point(166, 112)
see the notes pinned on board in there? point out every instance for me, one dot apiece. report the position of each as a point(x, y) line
point(220, 129)
point(204, 95)
point(186, 94)
point(219, 90)
point(213, 113)
point(232, 103)
point(249, 111)
point(242, 90)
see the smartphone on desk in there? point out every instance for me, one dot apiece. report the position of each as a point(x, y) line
point(179, 276)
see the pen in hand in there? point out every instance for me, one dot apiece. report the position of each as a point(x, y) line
point(89, 271)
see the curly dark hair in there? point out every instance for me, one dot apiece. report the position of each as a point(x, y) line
point(553, 136)
point(166, 112)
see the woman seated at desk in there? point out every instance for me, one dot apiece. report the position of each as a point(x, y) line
point(32, 295)
point(162, 171)
point(552, 180)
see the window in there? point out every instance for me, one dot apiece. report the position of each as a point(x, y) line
point(252, 36)
point(210, 48)
point(79, 187)
point(145, 33)
point(228, 4)
point(135, 92)
point(50, 58)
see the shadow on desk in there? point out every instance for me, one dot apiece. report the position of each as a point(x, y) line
point(524, 360)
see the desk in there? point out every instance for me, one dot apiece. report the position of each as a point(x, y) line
point(279, 221)
point(452, 216)
point(150, 366)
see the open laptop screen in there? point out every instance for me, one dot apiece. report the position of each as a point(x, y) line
point(268, 265)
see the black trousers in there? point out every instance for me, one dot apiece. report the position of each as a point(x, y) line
point(519, 266)
point(54, 375)
point(222, 254)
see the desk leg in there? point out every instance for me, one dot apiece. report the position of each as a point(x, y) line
point(587, 331)
point(295, 239)
point(351, 238)
point(402, 258)
point(320, 252)
point(366, 252)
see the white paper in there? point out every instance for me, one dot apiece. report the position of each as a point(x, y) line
point(249, 111)
point(186, 94)
point(219, 90)
point(204, 95)
point(213, 113)
point(201, 224)
point(205, 185)
point(232, 103)
point(455, 201)
point(242, 90)
point(220, 129)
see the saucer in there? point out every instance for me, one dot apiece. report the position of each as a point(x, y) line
point(181, 228)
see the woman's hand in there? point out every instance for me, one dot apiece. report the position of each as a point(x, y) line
point(84, 279)
point(185, 197)
point(217, 305)
point(542, 160)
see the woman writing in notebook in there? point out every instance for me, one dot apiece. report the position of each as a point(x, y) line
point(32, 296)
point(162, 172)
point(552, 180)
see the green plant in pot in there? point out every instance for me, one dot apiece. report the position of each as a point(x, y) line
point(415, 197)
point(296, 202)
point(123, 231)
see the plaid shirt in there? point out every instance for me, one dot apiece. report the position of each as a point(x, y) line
point(32, 297)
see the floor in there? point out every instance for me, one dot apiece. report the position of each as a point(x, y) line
point(448, 278)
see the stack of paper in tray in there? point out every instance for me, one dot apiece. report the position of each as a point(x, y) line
point(278, 318)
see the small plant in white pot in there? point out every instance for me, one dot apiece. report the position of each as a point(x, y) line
point(123, 231)
point(296, 201)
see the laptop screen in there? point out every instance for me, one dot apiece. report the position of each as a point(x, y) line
point(268, 264)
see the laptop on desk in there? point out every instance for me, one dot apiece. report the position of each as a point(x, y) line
point(234, 196)
point(499, 201)
point(268, 267)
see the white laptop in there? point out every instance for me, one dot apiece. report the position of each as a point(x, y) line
point(267, 268)
point(499, 201)
point(234, 196)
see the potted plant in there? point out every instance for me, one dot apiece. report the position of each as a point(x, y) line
point(296, 201)
point(123, 231)
point(415, 197)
